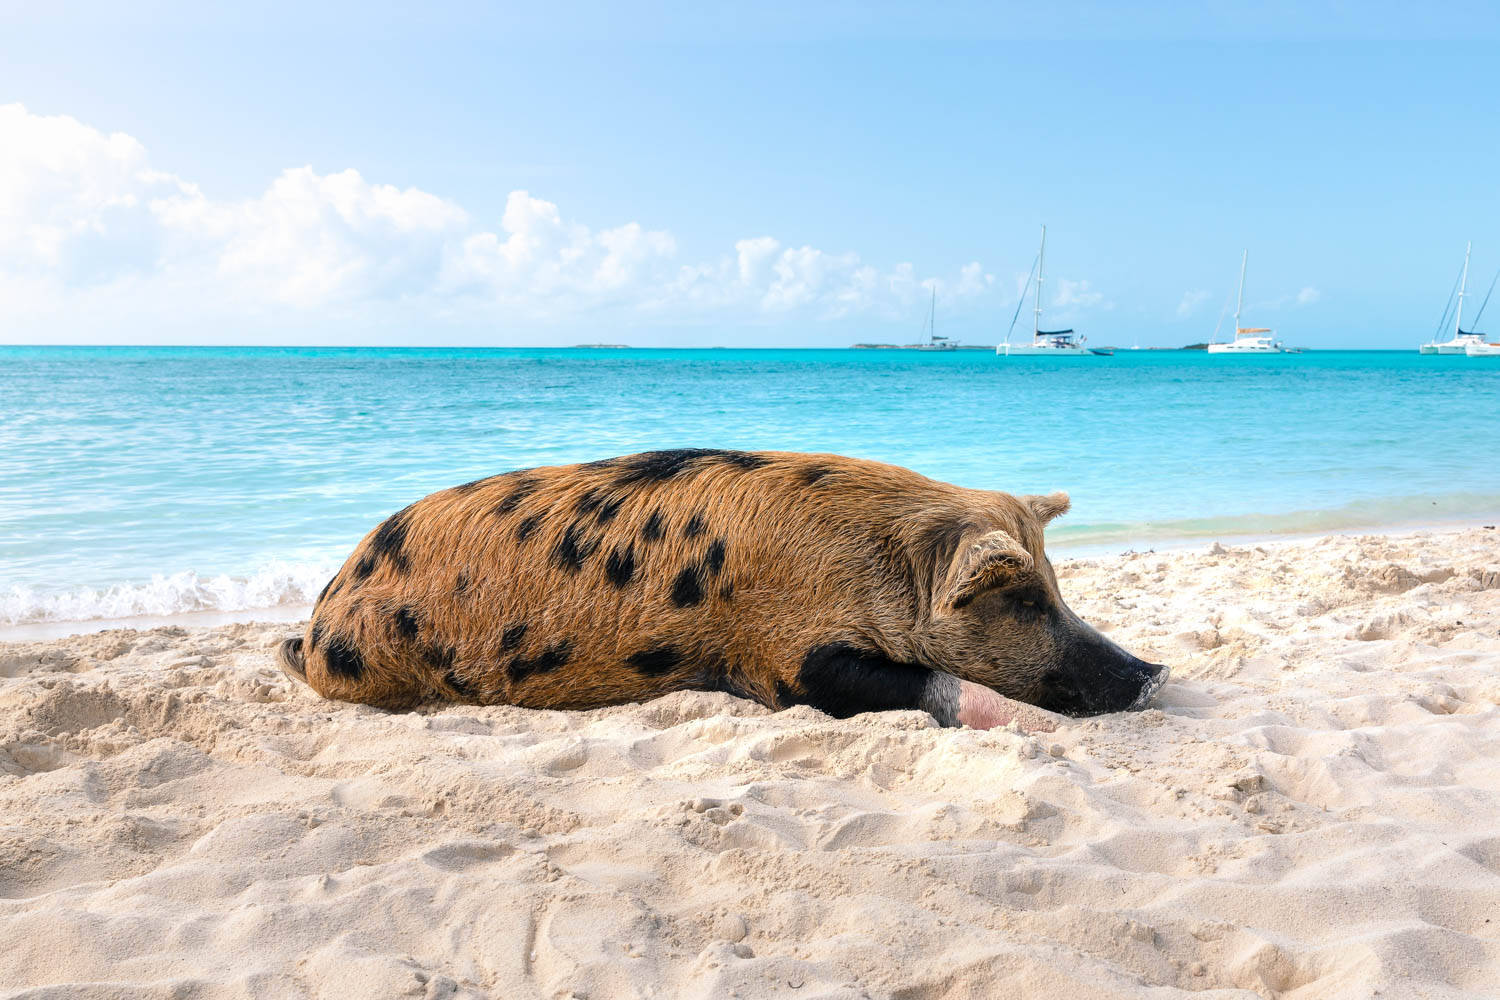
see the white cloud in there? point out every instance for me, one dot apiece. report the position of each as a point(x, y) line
point(973, 279)
point(87, 223)
point(1308, 296)
point(1191, 302)
point(1075, 293)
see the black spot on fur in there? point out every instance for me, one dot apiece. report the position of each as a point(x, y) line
point(524, 488)
point(440, 657)
point(601, 505)
point(713, 560)
point(655, 662)
point(660, 466)
point(544, 662)
point(620, 566)
point(527, 526)
point(812, 473)
point(687, 589)
point(364, 567)
point(694, 527)
point(406, 623)
point(511, 638)
point(390, 538)
point(744, 459)
point(461, 585)
point(609, 509)
point(315, 635)
point(843, 680)
point(602, 463)
point(343, 659)
point(653, 528)
point(327, 587)
point(786, 697)
point(571, 550)
point(460, 687)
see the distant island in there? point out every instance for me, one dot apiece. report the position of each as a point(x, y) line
point(921, 347)
point(990, 347)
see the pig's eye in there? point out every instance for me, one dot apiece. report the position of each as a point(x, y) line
point(1026, 603)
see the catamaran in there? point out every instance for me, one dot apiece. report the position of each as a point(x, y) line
point(935, 342)
point(1247, 340)
point(1462, 340)
point(1047, 343)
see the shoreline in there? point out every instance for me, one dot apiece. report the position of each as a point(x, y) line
point(1322, 757)
point(1061, 550)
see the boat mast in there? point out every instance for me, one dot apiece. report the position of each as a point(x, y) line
point(932, 318)
point(1239, 303)
point(1036, 323)
point(1463, 284)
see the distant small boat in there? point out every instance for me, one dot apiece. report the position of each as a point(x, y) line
point(1103, 352)
point(1044, 343)
point(935, 342)
point(1247, 340)
point(1463, 341)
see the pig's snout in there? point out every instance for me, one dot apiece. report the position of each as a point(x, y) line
point(1156, 675)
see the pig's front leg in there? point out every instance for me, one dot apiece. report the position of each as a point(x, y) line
point(958, 702)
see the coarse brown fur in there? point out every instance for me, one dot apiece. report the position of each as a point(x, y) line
point(615, 581)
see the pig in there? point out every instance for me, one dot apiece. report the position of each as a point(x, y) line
point(790, 579)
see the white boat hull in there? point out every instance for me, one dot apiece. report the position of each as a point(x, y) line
point(1459, 345)
point(1244, 348)
point(1043, 351)
point(1482, 350)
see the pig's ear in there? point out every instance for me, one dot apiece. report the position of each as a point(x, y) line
point(991, 560)
point(1047, 507)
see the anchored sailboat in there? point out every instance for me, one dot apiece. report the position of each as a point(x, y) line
point(935, 342)
point(1251, 339)
point(1462, 339)
point(1048, 343)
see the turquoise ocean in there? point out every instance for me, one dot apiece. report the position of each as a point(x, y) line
point(156, 481)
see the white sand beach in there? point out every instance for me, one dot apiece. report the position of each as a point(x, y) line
point(1313, 810)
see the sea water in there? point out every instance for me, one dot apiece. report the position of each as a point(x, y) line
point(155, 481)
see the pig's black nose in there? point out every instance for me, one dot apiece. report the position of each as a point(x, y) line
point(1155, 680)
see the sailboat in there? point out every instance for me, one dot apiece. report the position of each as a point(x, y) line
point(1247, 340)
point(1462, 339)
point(935, 342)
point(1045, 343)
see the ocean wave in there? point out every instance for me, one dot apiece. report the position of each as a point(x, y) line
point(276, 585)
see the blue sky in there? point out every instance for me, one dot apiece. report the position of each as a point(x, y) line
point(782, 175)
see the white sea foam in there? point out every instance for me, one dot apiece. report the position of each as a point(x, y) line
point(277, 584)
